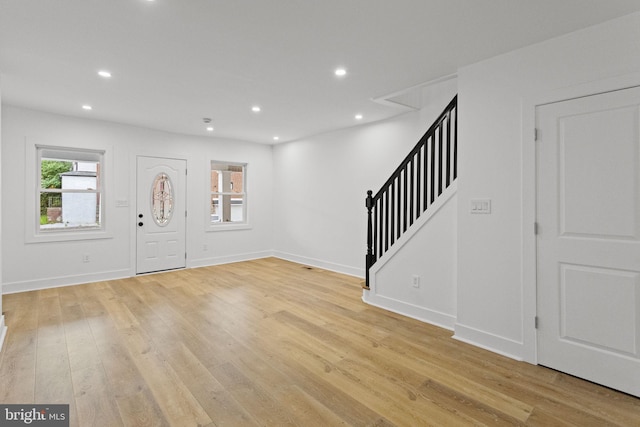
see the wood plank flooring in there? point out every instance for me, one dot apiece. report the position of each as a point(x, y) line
point(269, 342)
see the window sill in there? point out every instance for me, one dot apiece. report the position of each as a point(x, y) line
point(229, 227)
point(68, 236)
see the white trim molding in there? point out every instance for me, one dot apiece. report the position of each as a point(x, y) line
point(326, 265)
point(423, 314)
point(3, 331)
point(208, 262)
point(58, 282)
point(491, 342)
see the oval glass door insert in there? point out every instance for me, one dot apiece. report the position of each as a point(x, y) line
point(162, 199)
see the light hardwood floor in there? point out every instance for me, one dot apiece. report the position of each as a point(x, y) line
point(269, 342)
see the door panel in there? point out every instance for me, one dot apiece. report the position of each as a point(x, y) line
point(598, 166)
point(608, 295)
point(161, 222)
point(588, 247)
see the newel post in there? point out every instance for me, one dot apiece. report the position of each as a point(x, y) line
point(369, 259)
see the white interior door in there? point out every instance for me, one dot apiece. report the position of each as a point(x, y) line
point(588, 283)
point(160, 216)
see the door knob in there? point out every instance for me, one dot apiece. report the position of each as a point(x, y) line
point(140, 224)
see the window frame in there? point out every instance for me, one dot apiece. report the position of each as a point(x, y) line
point(226, 226)
point(33, 231)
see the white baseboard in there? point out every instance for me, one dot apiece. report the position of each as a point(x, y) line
point(207, 262)
point(3, 331)
point(494, 343)
point(57, 282)
point(422, 314)
point(326, 265)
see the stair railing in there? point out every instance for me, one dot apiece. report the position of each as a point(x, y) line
point(423, 175)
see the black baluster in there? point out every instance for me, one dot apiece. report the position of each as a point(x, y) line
point(374, 244)
point(386, 221)
point(455, 142)
point(380, 218)
point(405, 212)
point(392, 202)
point(440, 158)
point(418, 179)
point(369, 259)
point(433, 169)
point(448, 135)
point(412, 194)
point(398, 209)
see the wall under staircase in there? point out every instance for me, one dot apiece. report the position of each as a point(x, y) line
point(425, 254)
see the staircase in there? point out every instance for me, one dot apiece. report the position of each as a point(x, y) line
point(428, 170)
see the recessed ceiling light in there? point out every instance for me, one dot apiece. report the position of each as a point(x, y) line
point(340, 72)
point(87, 107)
point(276, 138)
point(256, 109)
point(210, 128)
point(104, 73)
point(358, 116)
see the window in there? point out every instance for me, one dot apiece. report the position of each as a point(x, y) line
point(70, 195)
point(228, 193)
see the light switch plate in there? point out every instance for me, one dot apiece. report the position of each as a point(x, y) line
point(480, 206)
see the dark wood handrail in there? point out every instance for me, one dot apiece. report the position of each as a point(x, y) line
point(421, 177)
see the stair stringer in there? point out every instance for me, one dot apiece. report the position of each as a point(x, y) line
point(407, 308)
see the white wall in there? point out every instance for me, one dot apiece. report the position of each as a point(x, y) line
point(496, 104)
point(428, 251)
point(321, 184)
point(37, 265)
point(3, 329)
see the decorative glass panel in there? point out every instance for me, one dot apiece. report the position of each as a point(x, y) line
point(162, 199)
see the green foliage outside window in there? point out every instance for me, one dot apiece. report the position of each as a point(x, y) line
point(50, 171)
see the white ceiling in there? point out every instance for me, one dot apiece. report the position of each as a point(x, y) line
point(177, 61)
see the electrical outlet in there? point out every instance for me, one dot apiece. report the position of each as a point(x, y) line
point(415, 281)
point(85, 258)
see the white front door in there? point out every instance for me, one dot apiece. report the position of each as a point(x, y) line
point(588, 245)
point(160, 215)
